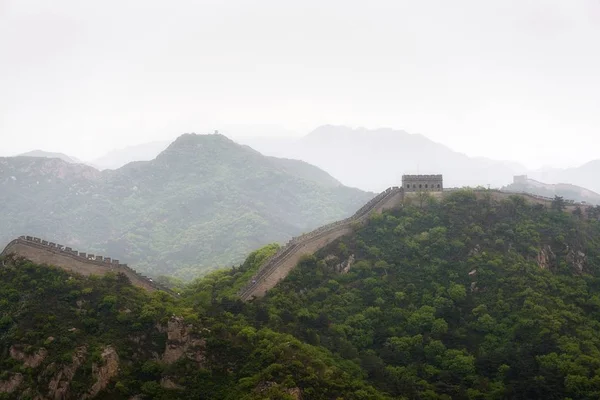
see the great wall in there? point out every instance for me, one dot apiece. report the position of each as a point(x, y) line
point(45, 252)
point(281, 263)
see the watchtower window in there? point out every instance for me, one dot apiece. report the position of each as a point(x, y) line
point(438, 185)
point(425, 186)
point(420, 186)
point(408, 185)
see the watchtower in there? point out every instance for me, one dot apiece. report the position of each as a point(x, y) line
point(520, 179)
point(422, 183)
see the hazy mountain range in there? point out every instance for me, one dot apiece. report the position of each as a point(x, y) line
point(203, 202)
point(48, 154)
point(373, 159)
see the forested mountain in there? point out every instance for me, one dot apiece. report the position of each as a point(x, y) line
point(467, 298)
point(204, 202)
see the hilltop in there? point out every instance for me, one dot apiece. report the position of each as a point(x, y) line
point(467, 297)
point(204, 202)
point(48, 154)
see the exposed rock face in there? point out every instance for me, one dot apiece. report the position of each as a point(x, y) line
point(345, 266)
point(167, 383)
point(104, 373)
point(577, 259)
point(58, 388)
point(296, 393)
point(475, 250)
point(181, 341)
point(32, 361)
point(10, 385)
point(545, 257)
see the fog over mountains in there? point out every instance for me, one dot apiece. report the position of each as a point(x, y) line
point(374, 159)
point(203, 202)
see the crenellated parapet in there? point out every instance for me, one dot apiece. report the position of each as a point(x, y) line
point(43, 251)
point(423, 183)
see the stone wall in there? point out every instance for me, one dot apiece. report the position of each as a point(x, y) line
point(45, 252)
point(422, 183)
point(570, 205)
point(282, 262)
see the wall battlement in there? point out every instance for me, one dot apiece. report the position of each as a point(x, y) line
point(423, 183)
point(45, 252)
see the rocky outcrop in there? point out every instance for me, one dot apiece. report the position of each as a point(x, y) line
point(181, 341)
point(576, 259)
point(30, 361)
point(345, 266)
point(545, 257)
point(58, 388)
point(11, 384)
point(103, 373)
point(167, 383)
point(295, 393)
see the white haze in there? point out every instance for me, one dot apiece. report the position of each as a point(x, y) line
point(511, 80)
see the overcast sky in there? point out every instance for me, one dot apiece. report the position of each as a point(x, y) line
point(516, 80)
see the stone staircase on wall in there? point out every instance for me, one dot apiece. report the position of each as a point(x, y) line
point(45, 252)
point(282, 262)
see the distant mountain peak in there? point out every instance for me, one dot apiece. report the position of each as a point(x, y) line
point(193, 145)
point(47, 154)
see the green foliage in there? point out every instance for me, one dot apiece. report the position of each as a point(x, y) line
point(467, 298)
point(204, 203)
point(448, 301)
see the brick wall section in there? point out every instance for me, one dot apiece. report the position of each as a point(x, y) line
point(545, 201)
point(44, 252)
point(280, 265)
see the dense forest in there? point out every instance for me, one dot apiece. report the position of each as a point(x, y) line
point(465, 298)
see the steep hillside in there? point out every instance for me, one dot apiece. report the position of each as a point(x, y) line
point(466, 298)
point(565, 190)
point(117, 158)
point(203, 202)
point(306, 171)
point(63, 336)
point(371, 159)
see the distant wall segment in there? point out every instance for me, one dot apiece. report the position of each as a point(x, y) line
point(45, 252)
